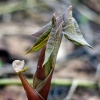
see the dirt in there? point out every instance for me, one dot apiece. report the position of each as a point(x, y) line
point(75, 69)
point(12, 93)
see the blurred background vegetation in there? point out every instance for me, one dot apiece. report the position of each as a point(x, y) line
point(20, 18)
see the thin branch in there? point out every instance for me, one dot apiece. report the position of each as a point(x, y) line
point(55, 81)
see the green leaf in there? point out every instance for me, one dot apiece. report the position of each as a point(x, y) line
point(56, 44)
point(48, 53)
point(40, 42)
point(50, 43)
point(73, 33)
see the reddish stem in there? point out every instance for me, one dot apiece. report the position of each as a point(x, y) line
point(40, 73)
point(32, 94)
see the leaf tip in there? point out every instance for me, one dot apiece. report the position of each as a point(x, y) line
point(27, 52)
point(70, 7)
point(54, 20)
point(54, 15)
point(91, 47)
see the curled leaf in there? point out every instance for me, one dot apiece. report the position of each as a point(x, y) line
point(40, 42)
point(50, 43)
point(56, 44)
point(48, 53)
point(42, 70)
point(59, 19)
point(73, 33)
point(40, 73)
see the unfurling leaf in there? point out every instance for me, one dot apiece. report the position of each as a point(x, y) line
point(57, 42)
point(73, 33)
point(50, 43)
point(40, 72)
point(44, 87)
point(49, 40)
point(41, 41)
point(48, 53)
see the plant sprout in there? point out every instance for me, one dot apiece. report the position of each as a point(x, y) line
point(49, 40)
